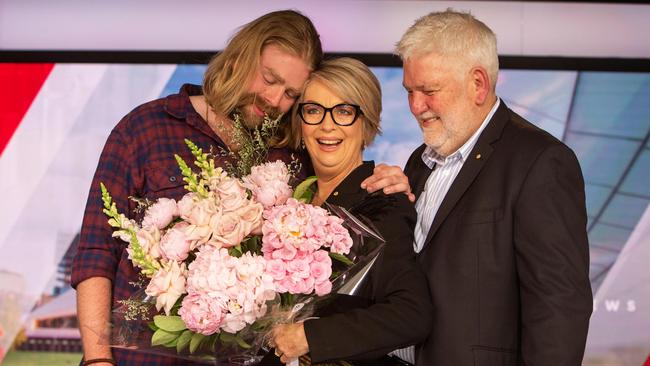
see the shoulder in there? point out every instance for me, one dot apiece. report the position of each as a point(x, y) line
point(144, 116)
point(530, 141)
point(386, 208)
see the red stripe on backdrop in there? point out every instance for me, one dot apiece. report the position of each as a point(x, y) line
point(19, 85)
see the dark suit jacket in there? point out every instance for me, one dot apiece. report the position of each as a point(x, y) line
point(507, 257)
point(399, 311)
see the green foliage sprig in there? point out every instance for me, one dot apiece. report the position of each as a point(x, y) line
point(254, 144)
point(127, 228)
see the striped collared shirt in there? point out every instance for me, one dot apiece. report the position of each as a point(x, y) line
point(444, 173)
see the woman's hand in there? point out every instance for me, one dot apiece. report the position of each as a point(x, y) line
point(290, 341)
point(390, 178)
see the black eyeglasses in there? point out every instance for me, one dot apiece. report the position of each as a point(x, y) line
point(342, 114)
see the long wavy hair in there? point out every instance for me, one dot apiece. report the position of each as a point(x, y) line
point(233, 68)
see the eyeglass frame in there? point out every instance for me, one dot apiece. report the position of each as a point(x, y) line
point(357, 109)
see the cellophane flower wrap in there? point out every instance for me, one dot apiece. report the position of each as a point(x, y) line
point(236, 255)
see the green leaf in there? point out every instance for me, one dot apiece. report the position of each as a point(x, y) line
point(212, 342)
point(163, 337)
point(303, 191)
point(184, 340)
point(195, 342)
point(341, 258)
point(227, 337)
point(235, 251)
point(152, 326)
point(169, 323)
point(252, 245)
point(242, 343)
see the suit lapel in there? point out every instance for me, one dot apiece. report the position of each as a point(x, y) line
point(472, 166)
point(417, 172)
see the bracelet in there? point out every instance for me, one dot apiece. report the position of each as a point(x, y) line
point(98, 360)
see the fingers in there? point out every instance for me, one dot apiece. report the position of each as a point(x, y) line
point(389, 178)
point(411, 196)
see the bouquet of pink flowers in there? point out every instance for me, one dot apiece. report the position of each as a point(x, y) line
point(220, 258)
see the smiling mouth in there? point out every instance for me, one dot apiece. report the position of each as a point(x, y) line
point(429, 120)
point(329, 142)
point(258, 110)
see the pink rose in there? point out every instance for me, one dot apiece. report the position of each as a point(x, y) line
point(202, 313)
point(228, 230)
point(160, 214)
point(232, 194)
point(202, 214)
point(251, 217)
point(167, 285)
point(175, 245)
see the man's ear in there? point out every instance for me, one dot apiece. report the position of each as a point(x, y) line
point(480, 84)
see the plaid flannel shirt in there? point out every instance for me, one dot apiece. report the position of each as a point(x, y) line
point(138, 160)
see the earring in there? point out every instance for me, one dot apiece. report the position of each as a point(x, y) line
point(302, 144)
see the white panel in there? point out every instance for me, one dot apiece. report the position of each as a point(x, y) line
point(536, 28)
point(621, 318)
point(40, 135)
point(54, 154)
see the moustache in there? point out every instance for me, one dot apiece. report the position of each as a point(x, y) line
point(249, 98)
point(425, 116)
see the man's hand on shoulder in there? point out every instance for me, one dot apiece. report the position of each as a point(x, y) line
point(390, 179)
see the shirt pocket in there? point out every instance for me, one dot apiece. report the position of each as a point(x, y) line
point(164, 180)
point(491, 356)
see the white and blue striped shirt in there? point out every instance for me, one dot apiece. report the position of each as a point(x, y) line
point(443, 175)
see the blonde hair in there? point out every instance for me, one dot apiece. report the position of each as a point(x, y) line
point(352, 81)
point(452, 34)
point(232, 68)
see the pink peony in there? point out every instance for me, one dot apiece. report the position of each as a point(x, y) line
point(202, 313)
point(277, 269)
point(175, 244)
point(269, 183)
point(294, 234)
point(240, 285)
point(160, 214)
point(323, 288)
point(321, 270)
point(167, 285)
point(186, 204)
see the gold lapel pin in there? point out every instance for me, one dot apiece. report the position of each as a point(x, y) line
point(478, 156)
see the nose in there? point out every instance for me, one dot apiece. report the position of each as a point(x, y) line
point(273, 95)
point(328, 122)
point(417, 103)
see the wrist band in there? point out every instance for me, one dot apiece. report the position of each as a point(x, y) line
point(98, 360)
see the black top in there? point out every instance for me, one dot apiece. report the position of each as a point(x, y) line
point(399, 311)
